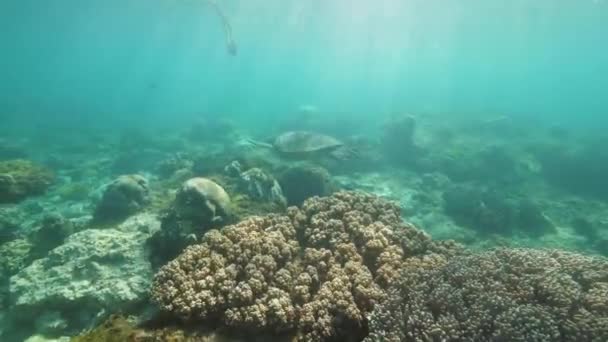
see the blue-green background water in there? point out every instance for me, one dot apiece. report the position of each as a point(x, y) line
point(104, 62)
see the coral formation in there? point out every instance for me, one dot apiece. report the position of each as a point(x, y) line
point(317, 271)
point(257, 184)
point(76, 191)
point(94, 273)
point(202, 201)
point(499, 295)
point(20, 179)
point(200, 204)
point(303, 181)
point(125, 196)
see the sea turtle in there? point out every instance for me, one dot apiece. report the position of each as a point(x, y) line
point(307, 144)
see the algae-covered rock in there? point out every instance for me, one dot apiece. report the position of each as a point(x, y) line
point(21, 178)
point(203, 201)
point(92, 273)
point(200, 204)
point(53, 231)
point(125, 196)
point(115, 328)
point(10, 219)
point(14, 255)
point(304, 181)
point(124, 329)
point(77, 191)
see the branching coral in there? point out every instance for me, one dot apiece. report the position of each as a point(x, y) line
point(501, 295)
point(317, 271)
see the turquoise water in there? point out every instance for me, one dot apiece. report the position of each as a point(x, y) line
point(165, 60)
point(128, 131)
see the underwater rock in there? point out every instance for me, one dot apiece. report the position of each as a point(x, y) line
point(493, 164)
point(200, 204)
point(174, 163)
point(532, 219)
point(583, 226)
point(123, 197)
point(93, 273)
point(126, 329)
point(300, 182)
point(14, 256)
point(398, 139)
point(317, 271)
point(9, 224)
point(53, 231)
point(74, 191)
point(498, 295)
point(203, 201)
point(582, 171)
point(601, 246)
point(493, 211)
point(20, 179)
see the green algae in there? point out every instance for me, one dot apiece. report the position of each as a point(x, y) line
point(21, 178)
point(73, 192)
point(115, 328)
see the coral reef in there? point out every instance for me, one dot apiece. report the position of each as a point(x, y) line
point(257, 184)
point(200, 204)
point(125, 196)
point(20, 179)
point(317, 271)
point(94, 273)
point(262, 186)
point(303, 181)
point(202, 201)
point(499, 295)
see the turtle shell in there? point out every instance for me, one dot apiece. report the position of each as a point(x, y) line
point(302, 142)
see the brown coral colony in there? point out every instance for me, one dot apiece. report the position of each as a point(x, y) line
point(317, 271)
